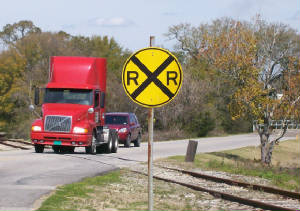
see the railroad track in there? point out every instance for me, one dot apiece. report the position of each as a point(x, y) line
point(254, 195)
point(290, 194)
point(16, 144)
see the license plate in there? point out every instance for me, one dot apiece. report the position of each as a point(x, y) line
point(57, 143)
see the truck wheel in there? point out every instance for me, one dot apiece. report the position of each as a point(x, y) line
point(137, 141)
point(71, 150)
point(67, 149)
point(109, 145)
point(56, 149)
point(92, 148)
point(115, 143)
point(39, 148)
point(100, 148)
point(127, 141)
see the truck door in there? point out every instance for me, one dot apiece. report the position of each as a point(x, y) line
point(102, 107)
point(97, 107)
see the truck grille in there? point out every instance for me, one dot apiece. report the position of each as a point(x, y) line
point(58, 123)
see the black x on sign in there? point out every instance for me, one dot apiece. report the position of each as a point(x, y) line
point(152, 77)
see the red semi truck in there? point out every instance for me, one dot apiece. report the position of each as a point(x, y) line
point(73, 108)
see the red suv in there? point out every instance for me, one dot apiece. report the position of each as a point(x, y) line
point(127, 126)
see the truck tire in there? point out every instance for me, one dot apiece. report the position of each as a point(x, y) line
point(115, 143)
point(137, 141)
point(127, 141)
point(100, 148)
point(109, 144)
point(71, 150)
point(92, 148)
point(67, 149)
point(39, 148)
point(56, 149)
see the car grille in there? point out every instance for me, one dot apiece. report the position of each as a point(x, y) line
point(58, 123)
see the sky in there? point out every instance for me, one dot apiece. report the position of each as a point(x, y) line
point(132, 22)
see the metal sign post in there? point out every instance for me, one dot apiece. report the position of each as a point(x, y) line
point(151, 77)
point(150, 148)
point(150, 159)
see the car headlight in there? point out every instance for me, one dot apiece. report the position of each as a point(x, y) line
point(123, 130)
point(36, 128)
point(80, 130)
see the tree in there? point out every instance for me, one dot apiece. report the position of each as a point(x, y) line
point(10, 65)
point(254, 62)
point(276, 60)
point(197, 44)
point(12, 33)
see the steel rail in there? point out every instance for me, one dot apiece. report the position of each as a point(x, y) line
point(19, 141)
point(290, 194)
point(14, 146)
point(226, 196)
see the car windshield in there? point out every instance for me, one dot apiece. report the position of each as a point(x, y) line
point(71, 96)
point(115, 120)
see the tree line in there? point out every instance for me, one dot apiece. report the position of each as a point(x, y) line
point(251, 70)
point(234, 72)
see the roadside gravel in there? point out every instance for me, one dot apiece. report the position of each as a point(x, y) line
point(216, 203)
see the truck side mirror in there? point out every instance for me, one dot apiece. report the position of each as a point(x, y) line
point(31, 108)
point(102, 99)
point(36, 96)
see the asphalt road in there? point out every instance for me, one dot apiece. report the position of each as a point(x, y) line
point(26, 176)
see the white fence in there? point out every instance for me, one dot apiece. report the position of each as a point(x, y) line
point(278, 124)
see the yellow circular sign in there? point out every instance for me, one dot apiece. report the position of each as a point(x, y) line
point(152, 77)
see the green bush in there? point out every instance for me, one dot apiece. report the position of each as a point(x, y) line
point(200, 124)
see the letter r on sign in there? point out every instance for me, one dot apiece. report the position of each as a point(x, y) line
point(132, 75)
point(171, 76)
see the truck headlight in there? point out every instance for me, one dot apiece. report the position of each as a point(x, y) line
point(123, 130)
point(80, 130)
point(36, 128)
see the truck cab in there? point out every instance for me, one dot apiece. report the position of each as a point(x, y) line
point(73, 108)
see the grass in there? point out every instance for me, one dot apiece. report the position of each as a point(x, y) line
point(284, 171)
point(71, 196)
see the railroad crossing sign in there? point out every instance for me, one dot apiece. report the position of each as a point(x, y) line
point(152, 77)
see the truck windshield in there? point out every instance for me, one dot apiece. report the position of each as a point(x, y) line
point(72, 96)
point(115, 120)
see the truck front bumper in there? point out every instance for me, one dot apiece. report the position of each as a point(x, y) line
point(76, 140)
